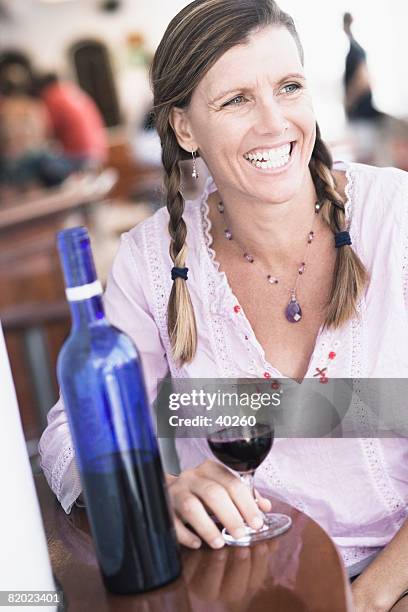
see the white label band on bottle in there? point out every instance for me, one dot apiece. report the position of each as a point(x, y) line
point(76, 294)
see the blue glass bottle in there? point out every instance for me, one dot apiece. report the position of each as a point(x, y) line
point(117, 454)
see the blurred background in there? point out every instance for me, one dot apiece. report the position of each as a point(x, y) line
point(77, 144)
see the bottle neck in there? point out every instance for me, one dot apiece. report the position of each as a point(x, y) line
point(87, 312)
point(83, 290)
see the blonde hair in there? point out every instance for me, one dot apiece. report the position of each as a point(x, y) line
point(194, 40)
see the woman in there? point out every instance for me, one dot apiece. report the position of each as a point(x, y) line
point(267, 293)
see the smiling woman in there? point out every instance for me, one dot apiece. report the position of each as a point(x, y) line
point(235, 93)
point(285, 266)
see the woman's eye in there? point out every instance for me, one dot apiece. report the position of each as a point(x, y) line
point(291, 88)
point(237, 101)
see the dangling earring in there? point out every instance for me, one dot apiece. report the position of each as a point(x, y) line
point(194, 173)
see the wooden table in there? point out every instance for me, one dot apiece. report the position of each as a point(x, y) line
point(299, 571)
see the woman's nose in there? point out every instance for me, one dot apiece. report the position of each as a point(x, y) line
point(271, 118)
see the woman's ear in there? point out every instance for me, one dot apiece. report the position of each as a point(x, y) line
point(180, 123)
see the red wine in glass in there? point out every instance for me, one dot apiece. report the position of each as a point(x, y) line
point(243, 449)
point(242, 454)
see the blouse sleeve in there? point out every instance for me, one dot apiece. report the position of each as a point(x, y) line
point(127, 307)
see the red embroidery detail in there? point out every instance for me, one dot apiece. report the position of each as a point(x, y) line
point(332, 355)
point(275, 385)
point(324, 379)
point(320, 372)
point(267, 375)
point(237, 308)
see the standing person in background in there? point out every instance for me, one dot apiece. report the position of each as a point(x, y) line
point(369, 125)
point(76, 121)
point(358, 94)
point(379, 137)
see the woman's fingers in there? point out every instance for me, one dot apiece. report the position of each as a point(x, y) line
point(191, 510)
point(185, 536)
point(239, 494)
point(214, 488)
point(216, 498)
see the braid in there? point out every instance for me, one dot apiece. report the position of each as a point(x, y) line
point(350, 276)
point(181, 324)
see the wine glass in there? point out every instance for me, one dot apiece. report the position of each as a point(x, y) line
point(243, 448)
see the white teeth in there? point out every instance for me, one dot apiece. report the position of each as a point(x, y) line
point(274, 163)
point(278, 155)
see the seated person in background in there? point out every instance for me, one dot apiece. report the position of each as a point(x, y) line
point(27, 156)
point(76, 121)
point(26, 159)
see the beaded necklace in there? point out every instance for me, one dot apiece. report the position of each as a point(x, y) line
point(293, 311)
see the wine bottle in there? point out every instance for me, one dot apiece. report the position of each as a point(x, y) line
point(117, 454)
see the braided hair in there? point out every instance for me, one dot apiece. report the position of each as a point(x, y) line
point(350, 276)
point(181, 323)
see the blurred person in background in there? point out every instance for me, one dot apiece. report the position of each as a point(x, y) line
point(16, 73)
point(76, 121)
point(358, 93)
point(26, 157)
point(367, 122)
point(380, 138)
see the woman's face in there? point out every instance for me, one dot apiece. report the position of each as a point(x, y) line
point(251, 117)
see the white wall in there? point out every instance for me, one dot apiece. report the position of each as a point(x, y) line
point(49, 30)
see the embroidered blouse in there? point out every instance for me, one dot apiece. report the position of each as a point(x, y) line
point(356, 489)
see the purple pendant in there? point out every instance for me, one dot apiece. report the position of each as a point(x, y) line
point(293, 311)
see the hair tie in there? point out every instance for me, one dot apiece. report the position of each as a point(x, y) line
point(342, 239)
point(179, 273)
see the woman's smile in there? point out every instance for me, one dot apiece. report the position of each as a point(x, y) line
point(271, 158)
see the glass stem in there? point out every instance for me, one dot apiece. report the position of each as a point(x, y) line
point(248, 479)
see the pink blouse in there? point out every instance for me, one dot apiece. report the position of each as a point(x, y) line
point(356, 489)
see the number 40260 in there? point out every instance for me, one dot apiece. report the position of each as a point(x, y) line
point(236, 421)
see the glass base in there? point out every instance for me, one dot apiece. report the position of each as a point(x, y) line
point(275, 524)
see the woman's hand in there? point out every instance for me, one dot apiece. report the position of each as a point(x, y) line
point(211, 488)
